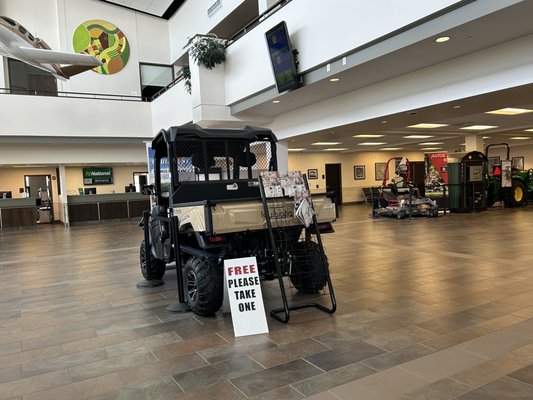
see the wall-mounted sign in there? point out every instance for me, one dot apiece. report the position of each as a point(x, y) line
point(245, 297)
point(104, 41)
point(97, 176)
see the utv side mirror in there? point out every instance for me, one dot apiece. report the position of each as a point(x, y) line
point(147, 189)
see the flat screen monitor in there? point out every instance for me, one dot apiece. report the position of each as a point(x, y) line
point(89, 190)
point(282, 58)
point(7, 194)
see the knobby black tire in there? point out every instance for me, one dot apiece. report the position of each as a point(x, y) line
point(308, 274)
point(510, 195)
point(202, 279)
point(156, 269)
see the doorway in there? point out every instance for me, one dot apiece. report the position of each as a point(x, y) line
point(40, 187)
point(334, 181)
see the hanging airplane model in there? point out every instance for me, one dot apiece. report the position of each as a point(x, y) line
point(17, 42)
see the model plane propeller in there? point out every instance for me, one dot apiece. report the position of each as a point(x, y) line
point(17, 42)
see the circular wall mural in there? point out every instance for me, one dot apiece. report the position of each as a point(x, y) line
point(105, 41)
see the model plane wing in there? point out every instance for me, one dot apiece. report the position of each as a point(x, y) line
point(59, 57)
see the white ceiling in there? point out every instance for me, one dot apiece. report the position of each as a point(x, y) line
point(154, 7)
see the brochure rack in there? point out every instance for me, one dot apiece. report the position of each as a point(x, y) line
point(298, 251)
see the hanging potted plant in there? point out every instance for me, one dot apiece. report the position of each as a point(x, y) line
point(207, 51)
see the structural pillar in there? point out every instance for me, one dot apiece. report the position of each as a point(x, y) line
point(474, 143)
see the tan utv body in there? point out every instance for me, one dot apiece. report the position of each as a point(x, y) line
point(207, 207)
point(248, 215)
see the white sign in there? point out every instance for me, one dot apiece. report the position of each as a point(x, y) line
point(245, 298)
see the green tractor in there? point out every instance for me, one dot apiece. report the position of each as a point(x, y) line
point(511, 185)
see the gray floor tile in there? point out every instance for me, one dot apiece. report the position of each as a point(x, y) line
point(505, 388)
point(344, 355)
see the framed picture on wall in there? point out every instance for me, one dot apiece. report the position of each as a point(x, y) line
point(517, 162)
point(380, 170)
point(312, 174)
point(359, 172)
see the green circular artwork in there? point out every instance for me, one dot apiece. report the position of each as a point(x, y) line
point(105, 41)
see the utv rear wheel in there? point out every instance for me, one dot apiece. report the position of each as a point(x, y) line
point(203, 285)
point(308, 274)
point(156, 269)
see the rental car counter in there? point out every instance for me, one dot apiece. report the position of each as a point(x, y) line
point(98, 207)
point(18, 212)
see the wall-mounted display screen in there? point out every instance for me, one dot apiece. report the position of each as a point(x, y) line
point(282, 57)
point(97, 176)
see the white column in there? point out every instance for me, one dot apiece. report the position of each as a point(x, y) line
point(63, 215)
point(474, 143)
point(282, 155)
point(264, 5)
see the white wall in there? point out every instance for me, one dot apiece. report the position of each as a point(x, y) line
point(147, 37)
point(192, 19)
point(84, 153)
point(172, 108)
point(248, 68)
point(60, 116)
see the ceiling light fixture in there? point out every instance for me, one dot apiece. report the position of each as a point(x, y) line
point(520, 138)
point(431, 148)
point(457, 106)
point(430, 143)
point(442, 39)
point(325, 143)
point(334, 79)
point(297, 149)
point(418, 137)
point(529, 130)
point(276, 101)
point(425, 125)
point(478, 127)
point(336, 149)
point(368, 135)
point(391, 148)
point(486, 137)
point(371, 143)
point(509, 111)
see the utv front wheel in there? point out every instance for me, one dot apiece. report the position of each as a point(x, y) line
point(156, 269)
point(308, 274)
point(203, 285)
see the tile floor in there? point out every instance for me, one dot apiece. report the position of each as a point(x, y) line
point(427, 309)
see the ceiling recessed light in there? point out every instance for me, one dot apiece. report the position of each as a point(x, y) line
point(418, 137)
point(334, 79)
point(431, 148)
point(336, 149)
point(520, 138)
point(391, 148)
point(442, 39)
point(325, 143)
point(276, 101)
point(509, 111)
point(430, 143)
point(478, 127)
point(297, 149)
point(427, 126)
point(368, 135)
point(371, 143)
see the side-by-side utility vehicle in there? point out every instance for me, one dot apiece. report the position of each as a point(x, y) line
point(207, 207)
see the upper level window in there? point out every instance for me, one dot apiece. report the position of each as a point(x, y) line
point(154, 77)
